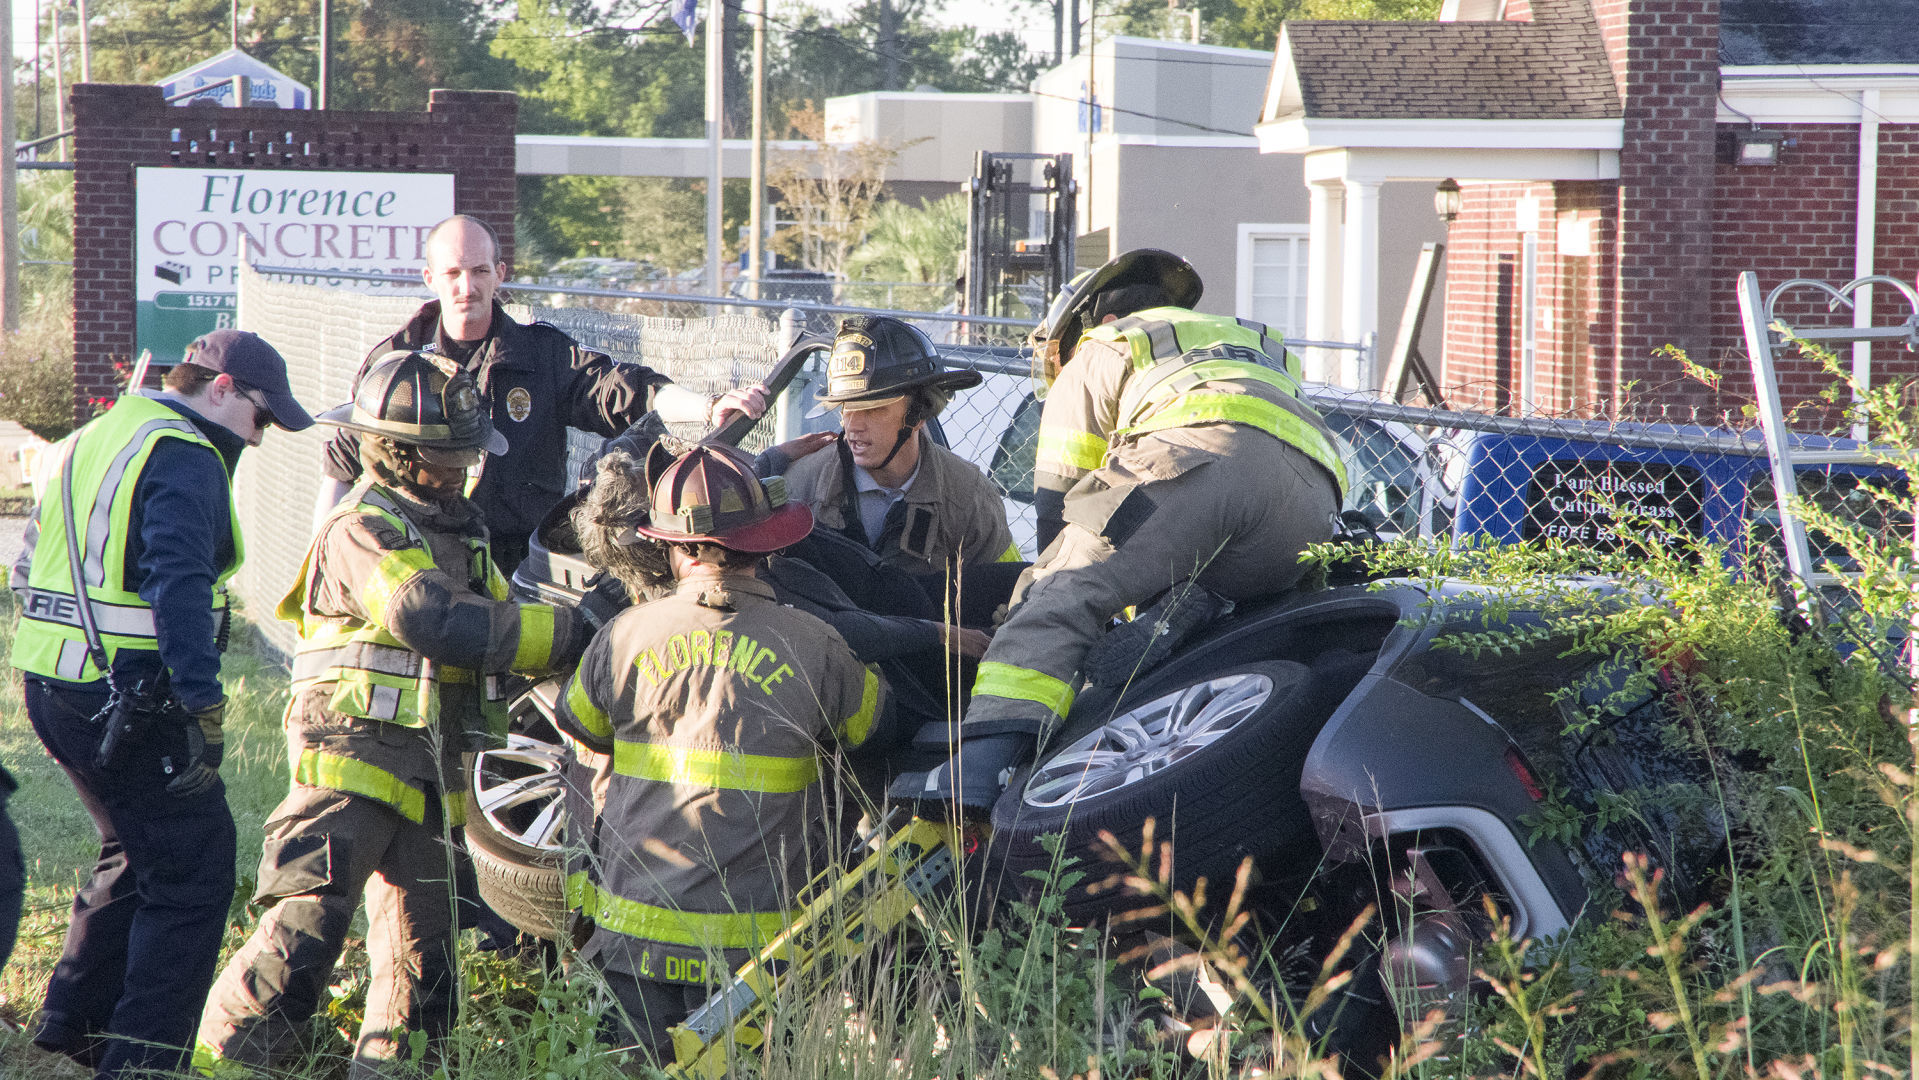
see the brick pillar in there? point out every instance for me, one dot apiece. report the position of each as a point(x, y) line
point(1666, 57)
point(117, 129)
point(471, 126)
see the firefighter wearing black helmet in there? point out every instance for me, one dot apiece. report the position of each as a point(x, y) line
point(402, 618)
point(1174, 447)
point(887, 485)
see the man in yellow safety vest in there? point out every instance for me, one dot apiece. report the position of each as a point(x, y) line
point(143, 504)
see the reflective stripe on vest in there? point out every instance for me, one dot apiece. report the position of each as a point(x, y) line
point(859, 725)
point(373, 674)
point(761, 773)
point(107, 458)
point(1023, 684)
point(1174, 350)
point(1059, 451)
point(693, 929)
point(355, 777)
point(590, 716)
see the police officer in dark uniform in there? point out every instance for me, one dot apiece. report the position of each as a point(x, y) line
point(537, 382)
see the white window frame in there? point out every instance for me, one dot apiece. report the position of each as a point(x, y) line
point(1243, 274)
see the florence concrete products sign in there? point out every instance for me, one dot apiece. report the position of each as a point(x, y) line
point(194, 228)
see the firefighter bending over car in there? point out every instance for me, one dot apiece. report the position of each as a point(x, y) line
point(715, 702)
point(402, 616)
point(1174, 452)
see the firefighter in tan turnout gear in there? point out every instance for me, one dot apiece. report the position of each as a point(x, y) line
point(1174, 448)
point(717, 704)
point(402, 616)
point(887, 485)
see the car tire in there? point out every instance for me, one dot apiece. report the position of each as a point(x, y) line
point(1218, 801)
point(527, 890)
point(522, 877)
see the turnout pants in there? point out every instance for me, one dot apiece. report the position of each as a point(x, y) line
point(324, 850)
point(144, 936)
point(1232, 509)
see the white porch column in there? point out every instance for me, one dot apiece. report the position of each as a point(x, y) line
point(1359, 273)
point(1325, 222)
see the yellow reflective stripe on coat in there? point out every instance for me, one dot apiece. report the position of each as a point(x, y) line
point(859, 725)
point(715, 768)
point(1023, 684)
point(694, 929)
point(1081, 450)
point(536, 637)
point(1274, 420)
point(588, 714)
point(1011, 554)
point(336, 773)
point(396, 568)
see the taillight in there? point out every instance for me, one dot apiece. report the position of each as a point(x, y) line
point(1523, 773)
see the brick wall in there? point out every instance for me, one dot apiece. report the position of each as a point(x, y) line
point(1485, 298)
point(1663, 248)
point(468, 133)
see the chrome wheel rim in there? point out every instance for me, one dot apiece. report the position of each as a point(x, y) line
point(1147, 740)
point(518, 788)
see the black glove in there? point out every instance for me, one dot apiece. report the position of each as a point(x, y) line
point(197, 771)
point(572, 632)
point(605, 597)
point(982, 767)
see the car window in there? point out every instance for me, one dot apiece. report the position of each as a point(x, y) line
point(1383, 474)
point(1843, 495)
point(1012, 465)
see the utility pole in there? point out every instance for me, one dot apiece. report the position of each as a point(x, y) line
point(59, 74)
point(86, 47)
point(889, 56)
point(1059, 32)
point(9, 192)
point(756, 183)
point(326, 48)
point(234, 22)
point(715, 132)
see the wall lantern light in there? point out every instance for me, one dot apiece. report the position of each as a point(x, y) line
point(1756, 147)
point(1446, 201)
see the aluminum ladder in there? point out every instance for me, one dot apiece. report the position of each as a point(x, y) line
point(1764, 336)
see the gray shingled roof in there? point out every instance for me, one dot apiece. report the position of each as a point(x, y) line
point(1818, 32)
point(1551, 69)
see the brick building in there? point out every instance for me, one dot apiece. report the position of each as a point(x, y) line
point(117, 128)
point(1619, 163)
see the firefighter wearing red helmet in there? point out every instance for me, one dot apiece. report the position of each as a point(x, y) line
point(717, 704)
point(1174, 448)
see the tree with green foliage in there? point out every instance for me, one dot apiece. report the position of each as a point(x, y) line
point(920, 244)
point(387, 53)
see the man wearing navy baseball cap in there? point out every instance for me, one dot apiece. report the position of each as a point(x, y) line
point(143, 504)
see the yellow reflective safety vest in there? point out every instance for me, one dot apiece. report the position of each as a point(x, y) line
point(1176, 352)
point(106, 458)
point(374, 675)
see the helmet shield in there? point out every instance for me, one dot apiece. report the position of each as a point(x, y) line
point(877, 359)
point(420, 400)
point(710, 493)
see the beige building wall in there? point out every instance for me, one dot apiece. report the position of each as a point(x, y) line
point(1192, 201)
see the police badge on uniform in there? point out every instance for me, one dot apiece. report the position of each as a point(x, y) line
point(519, 404)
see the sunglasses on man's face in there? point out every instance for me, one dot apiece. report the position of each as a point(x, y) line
point(262, 416)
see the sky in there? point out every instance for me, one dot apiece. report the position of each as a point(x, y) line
point(1033, 22)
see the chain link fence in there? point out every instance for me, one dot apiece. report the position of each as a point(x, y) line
point(1414, 471)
